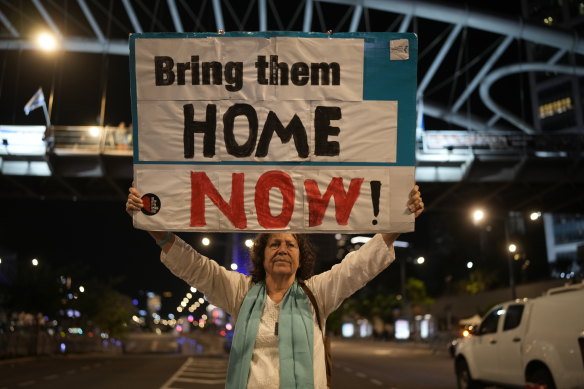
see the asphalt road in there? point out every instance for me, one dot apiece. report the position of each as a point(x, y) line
point(357, 364)
point(368, 364)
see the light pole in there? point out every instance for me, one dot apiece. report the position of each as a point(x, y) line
point(478, 216)
point(512, 249)
point(407, 309)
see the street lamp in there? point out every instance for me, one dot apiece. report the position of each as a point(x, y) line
point(478, 215)
point(534, 215)
point(46, 42)
point(406, 302)
point(512, 249)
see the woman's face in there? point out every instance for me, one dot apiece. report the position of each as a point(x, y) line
point(281, 255)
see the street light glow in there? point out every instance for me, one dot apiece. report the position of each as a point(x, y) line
point(35, 262)
point(469, 265)
point(46, 42)
point(420, 260)
point(249, 243)
point(206, 241)
point(234, 266)
point(535, 215)
point(94, 131)
point(478, 215)
point(82, 289)
point(512, 248)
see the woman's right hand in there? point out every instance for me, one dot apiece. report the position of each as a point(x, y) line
point(134, 202)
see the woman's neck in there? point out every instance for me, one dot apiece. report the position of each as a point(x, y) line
point(277, 287)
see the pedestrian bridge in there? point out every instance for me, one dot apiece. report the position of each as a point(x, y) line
point(517, 171)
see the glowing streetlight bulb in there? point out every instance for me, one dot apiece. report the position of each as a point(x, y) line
point(469, 265)
point(234, 266)
point(94, 131)
point(206, 241)
point(478, 215)
point(35, 262)
point(512, 248)
point(535, 215)
point(420, 260)
point(249, 243)
point(46, 42)
point(82, 289)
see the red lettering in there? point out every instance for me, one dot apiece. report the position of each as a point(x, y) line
point(202, 186)
point(344, 202)
point(267, 181)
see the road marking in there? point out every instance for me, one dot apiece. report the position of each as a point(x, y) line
point(51, 377)
point(361, 375)
point(376, 382)
point(200, 381)
point(348, 369)
point(199, 371)
point(27, 383)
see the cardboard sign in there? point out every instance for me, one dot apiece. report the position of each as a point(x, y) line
point(274, 131)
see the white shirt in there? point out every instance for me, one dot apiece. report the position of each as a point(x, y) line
point(227, 289)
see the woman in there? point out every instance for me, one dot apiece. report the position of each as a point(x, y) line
point(277, 342)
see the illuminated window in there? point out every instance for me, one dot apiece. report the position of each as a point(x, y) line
point(555, 107)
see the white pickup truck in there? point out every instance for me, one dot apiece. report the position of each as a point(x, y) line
point(527, 343)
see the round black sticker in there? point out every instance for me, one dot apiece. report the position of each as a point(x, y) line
point(151, 204)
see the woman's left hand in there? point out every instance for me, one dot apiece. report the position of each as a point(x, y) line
point(415, 203)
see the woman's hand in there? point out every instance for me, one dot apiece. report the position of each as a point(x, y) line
point(134, 202)
point(415, 203)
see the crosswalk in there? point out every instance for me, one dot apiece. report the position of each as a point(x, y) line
point(199, 372)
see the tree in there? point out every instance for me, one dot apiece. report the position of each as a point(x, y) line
point(108, 309)
point(416, 292)
point(478, 281)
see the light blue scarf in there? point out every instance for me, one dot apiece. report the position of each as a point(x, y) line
point(295, 331)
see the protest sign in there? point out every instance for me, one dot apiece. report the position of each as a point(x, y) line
point(279, 131)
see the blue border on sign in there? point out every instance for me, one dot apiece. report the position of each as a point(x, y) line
point(390, 80)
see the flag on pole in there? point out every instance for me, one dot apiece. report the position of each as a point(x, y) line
point(37, 100)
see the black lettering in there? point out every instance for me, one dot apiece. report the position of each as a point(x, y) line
point(323, 129)
point(207, 127)
point(195, 70)
point(299, 73)
point(163, 73)
point(231, 145)
point(181, 68)
point(261, 65)
point(215, 68)
point(294, 128)
point(234, 76)
point(278, 71)
point(324, 69)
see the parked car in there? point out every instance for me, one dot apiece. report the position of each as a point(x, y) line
point(527, 343)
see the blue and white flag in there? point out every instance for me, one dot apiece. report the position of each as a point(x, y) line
point(37, 100)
